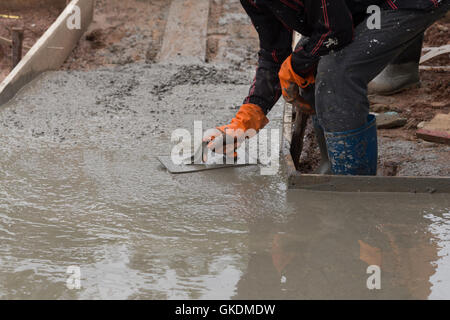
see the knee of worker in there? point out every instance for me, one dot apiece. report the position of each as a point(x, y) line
point(348, 114)
point(341, 97)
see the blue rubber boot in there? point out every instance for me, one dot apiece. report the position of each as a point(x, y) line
point(354, 152)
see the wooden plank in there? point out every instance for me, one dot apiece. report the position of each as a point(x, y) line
point(370, 183)
point(298, 136)
point(186, 32)
point(295, 39)
point(436, 130)
point(441, 68)
point(434, 52)
point(287, 122)
point(434, 136)
point(50, 51)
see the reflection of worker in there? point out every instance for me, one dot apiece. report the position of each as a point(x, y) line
point(304, 259)
point(338, 57)
point(325, 255)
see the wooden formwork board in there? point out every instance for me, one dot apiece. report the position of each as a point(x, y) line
point(317, 182)
point(186, 32)
point(51, 50)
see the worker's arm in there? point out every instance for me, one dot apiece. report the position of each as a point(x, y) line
point(275, 46)
point(332, 31)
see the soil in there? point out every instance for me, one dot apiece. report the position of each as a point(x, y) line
point(310, 157)
point(113, 40)
point(34, 21)
point(122, 32)
point(231, 36)
point(438, 35)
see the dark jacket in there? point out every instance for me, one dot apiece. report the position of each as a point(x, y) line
point(327, 24)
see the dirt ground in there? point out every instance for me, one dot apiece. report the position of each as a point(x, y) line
point(231, 36)
point(122, 32)
point(34, 21)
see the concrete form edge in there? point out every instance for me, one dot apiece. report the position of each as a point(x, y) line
point(50, 51)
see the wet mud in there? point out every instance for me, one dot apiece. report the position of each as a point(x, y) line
point(80, 185)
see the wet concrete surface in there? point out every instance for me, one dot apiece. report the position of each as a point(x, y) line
point(80, 186)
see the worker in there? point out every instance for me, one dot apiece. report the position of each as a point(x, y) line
point(328, 72)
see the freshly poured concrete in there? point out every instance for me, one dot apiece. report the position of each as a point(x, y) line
point(80, 186)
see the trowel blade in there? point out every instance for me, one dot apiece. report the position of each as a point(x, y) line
point(167, 162)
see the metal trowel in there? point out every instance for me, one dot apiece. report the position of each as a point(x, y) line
point(198, 162)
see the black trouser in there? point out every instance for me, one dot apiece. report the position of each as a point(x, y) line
point(341, 83)
point(411, 53)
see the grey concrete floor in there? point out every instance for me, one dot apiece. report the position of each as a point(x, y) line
point(80, 186)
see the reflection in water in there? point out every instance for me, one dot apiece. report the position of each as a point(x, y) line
point(138, 232)
point(325, 247)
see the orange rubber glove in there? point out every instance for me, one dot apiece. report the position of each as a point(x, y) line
point(226, 139)
point(290, 84)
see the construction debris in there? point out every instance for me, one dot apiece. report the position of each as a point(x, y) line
point(390, 120)
point(437, 130)
point(434, 52)
point(7, 16)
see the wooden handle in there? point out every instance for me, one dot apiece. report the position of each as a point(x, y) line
point(298, 135)
point(17, 43)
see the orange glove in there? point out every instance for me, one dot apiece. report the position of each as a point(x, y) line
point(226, 139)
point(290, 83)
